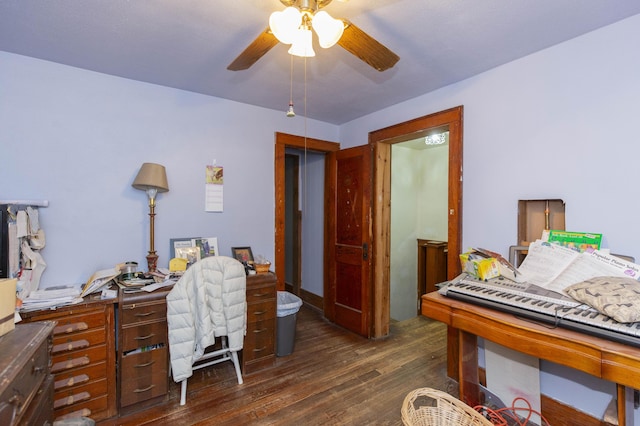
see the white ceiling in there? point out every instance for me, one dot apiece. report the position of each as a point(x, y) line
point(187, 44)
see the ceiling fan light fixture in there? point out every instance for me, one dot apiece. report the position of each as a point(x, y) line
point(302, 45)
point(329, 29)
point(284, 25)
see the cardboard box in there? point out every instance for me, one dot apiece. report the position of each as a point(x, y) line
point(534, 216)
point(479, 266)
point(7, 305)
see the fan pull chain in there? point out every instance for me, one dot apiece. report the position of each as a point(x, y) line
point(290, 111)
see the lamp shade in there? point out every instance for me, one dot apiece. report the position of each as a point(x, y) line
point(329, 30)
point(302, 45)
point(151, 176)
point(284, 24)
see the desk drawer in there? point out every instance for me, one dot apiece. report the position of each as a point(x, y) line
point(143, 312)
point(80, 376)
point(75, 323)
point(71, 342)
point(261, 311)
point(260, 340)
point(260, 293)
point(144, 335)
point(154, 362)
point(40, 411)
point(74, 399)
point(23, 389)
point(77, 359)
point(144, 377)
point(94, 408)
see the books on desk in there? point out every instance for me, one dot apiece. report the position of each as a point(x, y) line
point(99, 280)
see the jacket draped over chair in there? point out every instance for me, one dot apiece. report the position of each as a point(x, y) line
point(208, 301)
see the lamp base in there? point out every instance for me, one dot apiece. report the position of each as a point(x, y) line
point(152, 261)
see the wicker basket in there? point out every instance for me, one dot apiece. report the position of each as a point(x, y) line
point(261, 268)
point(426, 407)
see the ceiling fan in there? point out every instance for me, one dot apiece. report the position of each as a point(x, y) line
point(302, 16)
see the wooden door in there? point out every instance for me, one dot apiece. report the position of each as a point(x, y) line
point(348, 227)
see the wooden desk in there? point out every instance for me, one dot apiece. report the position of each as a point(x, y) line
point(611, 361)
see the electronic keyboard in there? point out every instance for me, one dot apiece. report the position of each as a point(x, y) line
point(538, 304)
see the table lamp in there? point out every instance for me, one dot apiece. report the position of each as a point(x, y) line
point(151, 178)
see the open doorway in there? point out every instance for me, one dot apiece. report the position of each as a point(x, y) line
point(382, 140)
point(419, 203)
point(310, 155)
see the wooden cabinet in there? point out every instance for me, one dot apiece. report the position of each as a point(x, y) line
point(143, 357)
point(26, 386)
point(83, 358)
point(259, 342)
point(432, 266)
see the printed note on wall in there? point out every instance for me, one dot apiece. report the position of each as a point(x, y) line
point(214, 189)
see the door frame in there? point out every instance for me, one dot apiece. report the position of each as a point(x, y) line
point(283, 141)
point(382, 140)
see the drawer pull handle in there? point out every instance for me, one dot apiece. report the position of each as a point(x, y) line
point(145, 314)
point(262, 330)
point(38, 369)
point(259, 312)
point(70, 328)
point(70, 346)
point(71, 399)
point(148, 388)
point(72, 363)
point(148, 336)
point(65, 383)
point(146, 364)
point(16, 400)
point(260, 294)
point(260, 349)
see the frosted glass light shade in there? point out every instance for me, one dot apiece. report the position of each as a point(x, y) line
point(284, 25)
point(302, 45)
point(329, 30)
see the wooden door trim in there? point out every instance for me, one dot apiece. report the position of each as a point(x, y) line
point(283, 141)
point(382, 140)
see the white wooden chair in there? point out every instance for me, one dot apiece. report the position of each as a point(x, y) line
point(206, 306)
point(212, 358)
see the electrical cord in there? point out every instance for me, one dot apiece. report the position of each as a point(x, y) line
point(501, 416)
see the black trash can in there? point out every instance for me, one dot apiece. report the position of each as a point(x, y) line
point(288, 307)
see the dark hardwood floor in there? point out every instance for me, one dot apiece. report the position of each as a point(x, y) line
point(333, 377)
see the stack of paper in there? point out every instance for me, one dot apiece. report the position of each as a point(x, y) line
point(51, 298)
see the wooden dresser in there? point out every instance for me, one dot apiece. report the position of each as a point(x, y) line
point(26, 385)
point(83, 358)
point(143, 350)
point(259, 349)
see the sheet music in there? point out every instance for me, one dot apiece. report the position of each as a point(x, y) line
point(544, 262)
point(555, 267)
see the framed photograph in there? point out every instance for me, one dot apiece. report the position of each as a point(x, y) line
point(208, 246)
point(192, 254)
point(243, 254)
point(176, 243)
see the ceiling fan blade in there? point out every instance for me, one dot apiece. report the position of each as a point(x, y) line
point(365, 47)
point(256, 50)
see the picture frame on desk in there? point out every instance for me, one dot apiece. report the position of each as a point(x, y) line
point(242, 254)
point(207, 246)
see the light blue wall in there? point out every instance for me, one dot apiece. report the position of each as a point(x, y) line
point(559, 124)
point(77, 139)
